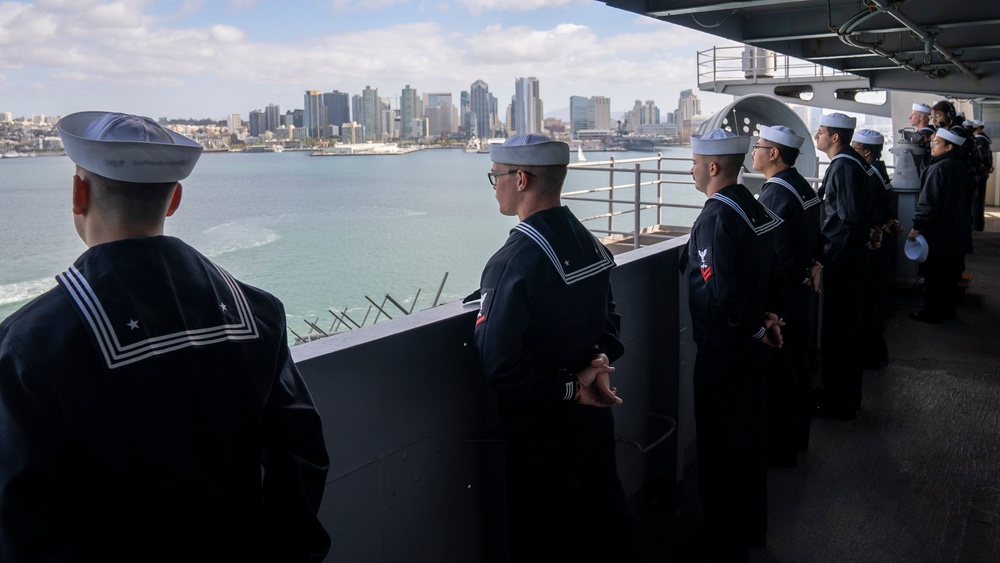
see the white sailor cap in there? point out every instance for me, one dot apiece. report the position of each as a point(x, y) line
point(781, 135)
point(718, 142)
point(128, 148)
point(977, 122)
point(530, 150)
point(922, 108)
point(837, 121)
point(968, 123)
point(950, 136)
point(867, 137)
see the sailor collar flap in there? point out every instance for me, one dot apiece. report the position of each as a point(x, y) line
point(132, 322)
point(759, 225)
point(806, 202)
point(573, 259)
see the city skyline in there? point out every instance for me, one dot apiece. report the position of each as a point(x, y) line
point(195, 59)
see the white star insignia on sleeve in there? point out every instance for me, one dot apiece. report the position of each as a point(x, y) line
point(222, 306)
point(132, 324)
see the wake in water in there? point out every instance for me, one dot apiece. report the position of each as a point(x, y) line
point(235, 236)
point(24, 291)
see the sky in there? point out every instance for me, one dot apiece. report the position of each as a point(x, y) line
point(211, 58)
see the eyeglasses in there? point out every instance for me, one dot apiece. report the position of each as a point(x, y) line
point(936, 143)
point(755, 147)
point(494, 175)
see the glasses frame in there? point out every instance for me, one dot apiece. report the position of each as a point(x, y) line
point(755, 147)
point(492, 176)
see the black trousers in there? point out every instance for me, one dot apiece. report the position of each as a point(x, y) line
point(843, 328)
point(565, 502)
point(874, 346)
point(942, 273)
point(732, 458)
point(789, 389)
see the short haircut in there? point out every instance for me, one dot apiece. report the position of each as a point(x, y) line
point(843, 135)
point(551, 178)
point(730, 164)
point(129, 202)
point(788, 154)
point(876, 150)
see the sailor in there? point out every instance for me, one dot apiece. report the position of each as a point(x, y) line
point(730, 254)
point(547, 334)
point(943, 114)
point(789, 379)
point(848, 214)
point(149, 408)
point(868, 143)
point(920, 120)
point(943, 220)
point(985, 160)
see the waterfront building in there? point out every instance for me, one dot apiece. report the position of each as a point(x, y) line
point(582, 115)
point(408, 110)
point(439, 110)
point(602, 112)
point(313, 115)
point(6, 117)
point(235, 123)
point(466, 117)
point(483, 106)
point(338, 107)
point(689, 105)
point(371, 108)
point(528, 109)
point(352, 133)
point(257, 123)
point(272, 117)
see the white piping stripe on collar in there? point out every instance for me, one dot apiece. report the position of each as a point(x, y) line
point(758, 230)
point(869, 170)
point(885, 183)
point(806, 203)
point(597, 267)
point(116, 355)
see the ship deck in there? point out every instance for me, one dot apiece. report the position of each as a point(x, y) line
point(916, 477)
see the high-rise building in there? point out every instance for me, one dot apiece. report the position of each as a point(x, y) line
point(338, 108)
point(527, 114)
point(235, 123)
point(439, 110)
point(371, 108)
point(272, 117)
point(582, 114)
point(649, 114)
point(258, 121)
point(483, 106)
point(689, 105)
point(602, 112)
point(408, 110)
point(387, 119)
point(313, 116)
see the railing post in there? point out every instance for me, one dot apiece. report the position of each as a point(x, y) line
point(659, 188)
point(638, 208)
point(611, 197)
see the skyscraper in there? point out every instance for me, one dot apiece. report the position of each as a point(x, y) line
point(527, 108)
point(407, 110)
point(689, 105)
point(258, 121)
point(313, 116)
point(483, 105)
point(582, 114)
point(272, 117)
point(235, 123)
point(338, 108)
point(371, 109)
point(602, 112)
point(439, 111)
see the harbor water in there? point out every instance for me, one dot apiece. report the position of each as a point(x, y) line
point(319, 233)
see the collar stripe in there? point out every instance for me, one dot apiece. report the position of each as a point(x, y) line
point(605, 263)
point(116, 355)
point(757, 230)
point(806, 203)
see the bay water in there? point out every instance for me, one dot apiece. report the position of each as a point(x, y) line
point(318, 232)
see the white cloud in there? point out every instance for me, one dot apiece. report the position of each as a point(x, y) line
point(226, 34)
point(479, 6)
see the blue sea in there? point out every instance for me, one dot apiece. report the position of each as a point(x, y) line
point(318, 232)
